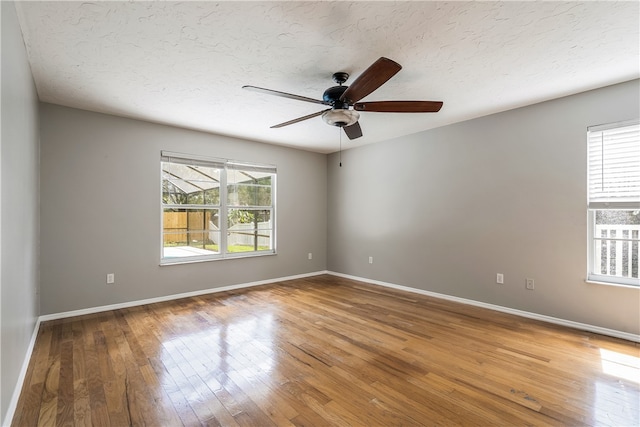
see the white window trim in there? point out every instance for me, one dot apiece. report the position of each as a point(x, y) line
point(627, 282)
point(223, 163)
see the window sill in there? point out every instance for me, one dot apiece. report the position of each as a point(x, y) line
point(615, 285)
point(228, 257)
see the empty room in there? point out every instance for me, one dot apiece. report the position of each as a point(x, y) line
point(320, 213)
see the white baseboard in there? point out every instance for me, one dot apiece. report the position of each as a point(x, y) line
point(569, 323)
point(55, 316)
point(100, 309)
point(21, 376)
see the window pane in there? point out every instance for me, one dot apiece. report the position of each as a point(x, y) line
point(616, 237)
point(185, 229)
point(173, 195)
point(249, 188)
point(190, 184)
point(249, 230)
point(249, 195)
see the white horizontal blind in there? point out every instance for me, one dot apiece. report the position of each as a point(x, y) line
point(251, 167)
point(184, 159)
point(614, 166)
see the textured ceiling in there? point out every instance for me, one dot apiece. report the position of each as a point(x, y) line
point(184, 63)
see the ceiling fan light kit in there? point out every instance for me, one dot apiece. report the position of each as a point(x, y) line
point(343, 100)
point(340, 117)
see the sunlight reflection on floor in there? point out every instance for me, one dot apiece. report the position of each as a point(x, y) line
point(239, 351)
point(613, 402)
point(620, 365)
point(614, 406)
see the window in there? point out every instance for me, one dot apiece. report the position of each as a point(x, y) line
point(213, 208)
point(614, 202)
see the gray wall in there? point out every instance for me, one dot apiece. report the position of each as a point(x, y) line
point(18, 206)
point(100, 210)
point(446, 209)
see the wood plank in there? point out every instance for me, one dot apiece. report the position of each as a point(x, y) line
point(65, 404)
point(49, 403)
point(81, 404)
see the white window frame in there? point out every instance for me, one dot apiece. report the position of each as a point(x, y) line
point(224, 165)
point(604, 196)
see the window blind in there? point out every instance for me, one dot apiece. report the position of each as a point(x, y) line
point(251, 167)
point(184, 159)
point(614, 166)
point(188, 159)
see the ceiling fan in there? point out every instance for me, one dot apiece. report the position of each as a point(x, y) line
point(343, 100)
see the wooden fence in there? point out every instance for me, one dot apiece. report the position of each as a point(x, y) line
point(177, 224)
point(203, 231)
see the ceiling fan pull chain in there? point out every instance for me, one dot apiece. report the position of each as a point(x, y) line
point(340, 155)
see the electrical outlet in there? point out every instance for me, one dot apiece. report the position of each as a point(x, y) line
point(529, 284)
point(500, 278)
point(370, 260)
point(111, 278)
point(310, 255)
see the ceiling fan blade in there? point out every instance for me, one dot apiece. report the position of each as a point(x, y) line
point(354, 131)
point(399, 106)
point(300, 119)
point(371, 79)
point(283, 94)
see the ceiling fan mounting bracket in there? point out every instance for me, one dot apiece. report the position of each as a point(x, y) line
point(340, 77)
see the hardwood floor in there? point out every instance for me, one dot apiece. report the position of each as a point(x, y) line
point(324, 351)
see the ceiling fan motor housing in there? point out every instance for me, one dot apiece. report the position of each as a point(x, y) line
point(332, 97)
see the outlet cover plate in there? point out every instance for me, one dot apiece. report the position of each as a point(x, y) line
point(530, 284)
